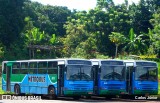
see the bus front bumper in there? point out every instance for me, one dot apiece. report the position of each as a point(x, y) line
point(144, 92)
point(78, 92)
point(112, 92)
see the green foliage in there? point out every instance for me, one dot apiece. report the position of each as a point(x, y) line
point(155, 33)
point(117, 39)
point(53, 39)
point(135, 44)
point(11, 21)
point(34, 36)
point(47, 18)
point(86, 49)
point(101, 56)
point(1, 52)
point(1, 91)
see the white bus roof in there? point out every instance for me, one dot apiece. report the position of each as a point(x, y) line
point(106, 60)
point(60, 61)
point(137, 61)
point(133, 62)
point(32, 60)
point(97, 61)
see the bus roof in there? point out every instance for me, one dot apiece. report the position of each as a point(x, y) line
point(106, 60)
point(99, 61)
point(60, 61)
point(32, 60)
point(135, 62)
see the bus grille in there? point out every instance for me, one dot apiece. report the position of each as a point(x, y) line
point(80, 86)
point(114, 86)
point(147, 86)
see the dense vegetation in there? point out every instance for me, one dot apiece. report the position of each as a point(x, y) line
point(32, 30)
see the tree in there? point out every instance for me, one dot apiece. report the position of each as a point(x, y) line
point(11, 21)
point(155, 33)
point(34, 37)
point(140, 15)
point(47, 18)
point(135, 44)
point(117, 39)
point(11, 26)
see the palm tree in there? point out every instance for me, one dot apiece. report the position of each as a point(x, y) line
point(34, 37)
point(135, 44)
point(117, 39)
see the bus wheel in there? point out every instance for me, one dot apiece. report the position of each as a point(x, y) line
point(76, 97)
point(88, 97)
point(51, 92)
point(17, 89)
point(108, 97)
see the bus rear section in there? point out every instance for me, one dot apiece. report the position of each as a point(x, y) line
point(142, 77)
point(51, 77)
point(78, 78)
point(110, 79)
point(29, 76)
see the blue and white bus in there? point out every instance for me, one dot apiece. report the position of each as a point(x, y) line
point(109, 77)
point(142, 77)
point(53, 77)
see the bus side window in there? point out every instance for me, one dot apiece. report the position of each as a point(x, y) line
point(16, 68)
point(52, 67)
point(42, 67)
point(24, 68)
point(4, 69)
point(33, 68)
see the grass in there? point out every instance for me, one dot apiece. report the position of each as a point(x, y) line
point(1, 91)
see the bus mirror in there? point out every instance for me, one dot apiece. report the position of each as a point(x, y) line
point(99, 70)
point(65, 69)
point(93, 68)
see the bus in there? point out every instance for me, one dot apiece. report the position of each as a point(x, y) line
point(51, 77)
point(109, 77)
point(142, 77)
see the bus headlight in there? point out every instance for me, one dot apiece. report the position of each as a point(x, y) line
point(90, 92)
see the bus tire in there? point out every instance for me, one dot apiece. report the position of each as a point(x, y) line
point(76, 97)
point(51, 92)
point(108, 97)
point(17, 89)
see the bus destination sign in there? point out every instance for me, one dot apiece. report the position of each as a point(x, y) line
point(112, 63)
point(145, 64)
point(84, 62)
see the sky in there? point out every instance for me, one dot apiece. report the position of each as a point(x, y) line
point(78, 4)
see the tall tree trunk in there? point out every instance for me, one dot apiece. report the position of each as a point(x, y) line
point(33, 53)
point(29, 52)
point(116, 51)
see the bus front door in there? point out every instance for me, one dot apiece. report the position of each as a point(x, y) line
point(95, 78)
point(129, 79)
point(8, 77)
point(60, 80)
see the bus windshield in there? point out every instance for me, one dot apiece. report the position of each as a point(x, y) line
point(146, 73)
point(112, 72)
point(79, 72)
